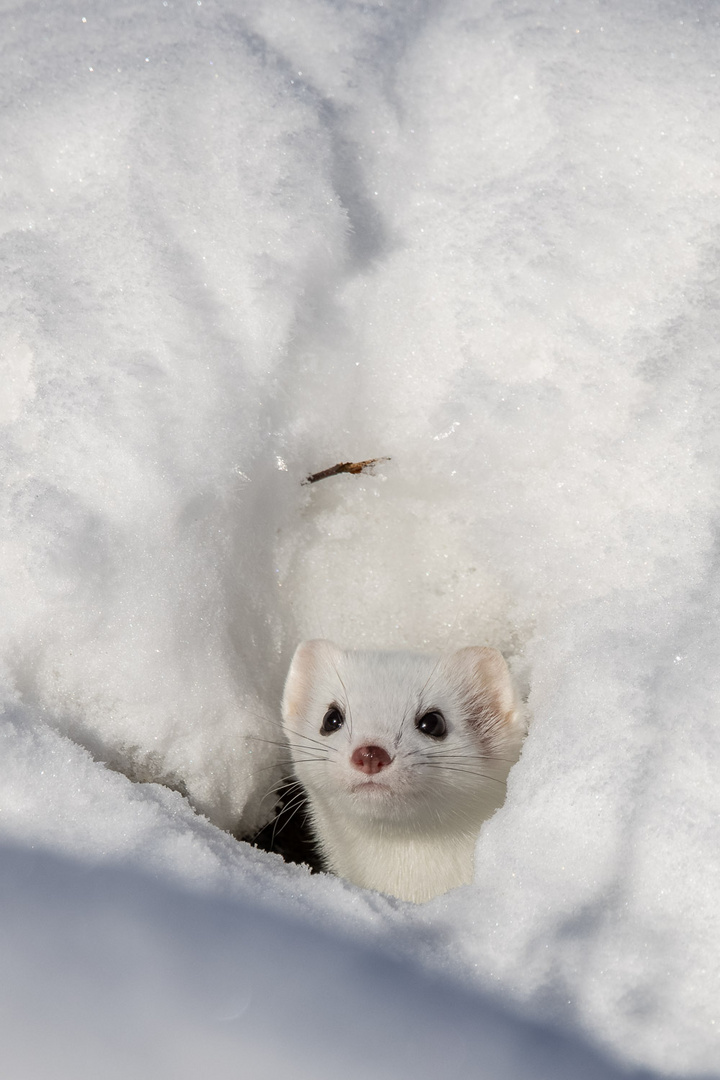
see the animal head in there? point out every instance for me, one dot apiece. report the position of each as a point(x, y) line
point(407, 740)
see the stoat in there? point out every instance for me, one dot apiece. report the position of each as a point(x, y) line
point(402, 757)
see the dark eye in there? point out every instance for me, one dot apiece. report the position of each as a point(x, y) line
point(432, 724)
point(332, 720)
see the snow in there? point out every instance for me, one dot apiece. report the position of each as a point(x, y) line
point(163, 985)
point(241, 242)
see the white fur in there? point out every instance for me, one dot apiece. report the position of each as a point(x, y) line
point(414, 836)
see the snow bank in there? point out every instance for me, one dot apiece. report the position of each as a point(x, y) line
point(165, 984)
point(242, 242)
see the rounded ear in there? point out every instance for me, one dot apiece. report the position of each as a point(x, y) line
point(310, 656)
point(486, 679)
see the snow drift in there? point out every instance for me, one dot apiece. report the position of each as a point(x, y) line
point(241, 242)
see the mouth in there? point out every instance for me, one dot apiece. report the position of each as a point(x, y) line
point(372, 787)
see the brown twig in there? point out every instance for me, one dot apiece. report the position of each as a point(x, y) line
point(345, 466)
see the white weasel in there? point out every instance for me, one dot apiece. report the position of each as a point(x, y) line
point(402, 757)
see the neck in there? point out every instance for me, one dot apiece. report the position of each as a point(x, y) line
point(409, 866)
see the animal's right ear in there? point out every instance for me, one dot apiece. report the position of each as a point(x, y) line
point(309, 658)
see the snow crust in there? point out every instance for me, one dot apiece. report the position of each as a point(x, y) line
point(240, 242)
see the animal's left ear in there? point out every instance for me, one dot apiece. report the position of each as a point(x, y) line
point(485, 677)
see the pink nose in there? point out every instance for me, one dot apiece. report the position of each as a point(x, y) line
point(370, 759)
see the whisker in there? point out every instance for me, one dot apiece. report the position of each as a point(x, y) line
point(454, 755)
point(462, 759)
point(325, 747)
point(297, 802)
point(301, 759)
point(468, 772)
point(436, 665)
point(289, 761)
point(281, 727)
point(295, 734)
point(298, 796)
point(282, 786)
point(347, 698)
point(281, 789)
point(266, 742)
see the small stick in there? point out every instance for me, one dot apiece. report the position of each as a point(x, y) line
point(345, 466)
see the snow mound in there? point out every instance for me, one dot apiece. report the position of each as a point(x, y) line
point(241, 242)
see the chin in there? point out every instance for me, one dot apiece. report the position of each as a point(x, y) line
point(381, 803)
point(371, 789)
point(373, 798)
